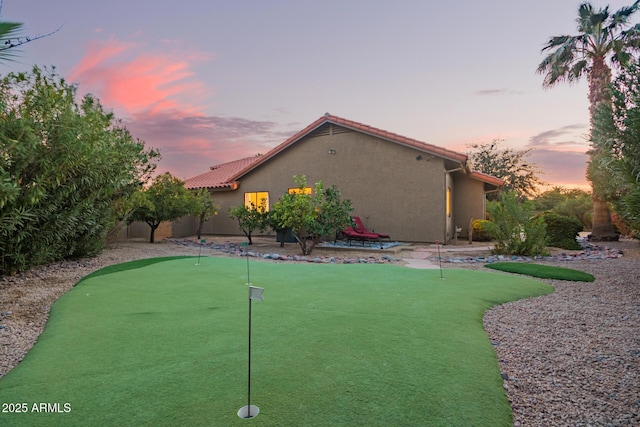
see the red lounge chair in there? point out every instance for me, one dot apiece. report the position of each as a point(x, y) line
point(360, 228)
point(359, 232)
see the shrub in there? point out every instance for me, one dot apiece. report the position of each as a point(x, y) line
point(479, 232)
point(66, 166)
point(562, 230)
point(620, 226)
point(514, 228)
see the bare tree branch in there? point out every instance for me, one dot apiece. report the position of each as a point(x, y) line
point(9, 38)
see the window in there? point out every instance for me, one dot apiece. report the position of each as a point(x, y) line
point(297, 190)
point(449, 202)
point(257, 199)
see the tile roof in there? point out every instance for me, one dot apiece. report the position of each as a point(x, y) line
point(350, 124)
point(485, 177)
point(220, 176)
point(227, 174)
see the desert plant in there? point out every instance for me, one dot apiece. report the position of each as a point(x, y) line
point(514, 228)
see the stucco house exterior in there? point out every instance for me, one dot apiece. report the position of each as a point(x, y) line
point(411, 190)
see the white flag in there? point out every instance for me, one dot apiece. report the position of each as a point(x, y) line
point(255, 293)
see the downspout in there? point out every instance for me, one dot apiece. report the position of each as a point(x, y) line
point(447, 172)
point(484, 207)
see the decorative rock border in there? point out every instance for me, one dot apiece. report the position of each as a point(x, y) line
point(589, 252)
point(231, 248)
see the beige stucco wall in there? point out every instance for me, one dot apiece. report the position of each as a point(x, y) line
point(389, 188)
point(141, 230)
point(467, 205)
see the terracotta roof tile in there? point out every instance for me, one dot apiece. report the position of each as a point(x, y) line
point(489, 179)
point(220, 176)
point(390, 136)
point(226, 175)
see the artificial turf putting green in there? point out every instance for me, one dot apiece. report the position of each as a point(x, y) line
point(542, 271)
point(166, 344)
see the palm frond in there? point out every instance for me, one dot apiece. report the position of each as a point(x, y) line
point(556, 41)
point(9, 36)
point(578, 69)
point(621, 16)
point(600, 35)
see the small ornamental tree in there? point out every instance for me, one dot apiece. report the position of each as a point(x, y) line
point(204, 207)
point(251, 218)
point(310, 216)
point(166, 199)
point(514, 228)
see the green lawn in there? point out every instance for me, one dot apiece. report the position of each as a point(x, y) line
point(346, 345)
point(542, 271)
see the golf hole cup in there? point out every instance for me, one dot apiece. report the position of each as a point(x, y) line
point(245, 413)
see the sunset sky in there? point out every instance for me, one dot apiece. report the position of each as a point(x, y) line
point(209, 81)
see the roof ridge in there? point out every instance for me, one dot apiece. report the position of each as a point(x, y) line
point(330, 118)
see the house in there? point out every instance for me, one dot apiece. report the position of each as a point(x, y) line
point(408, 189)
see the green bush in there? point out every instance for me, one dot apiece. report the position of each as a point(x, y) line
point(561, 230)
point(514, 228)
point(65, 167)
point(479, 232)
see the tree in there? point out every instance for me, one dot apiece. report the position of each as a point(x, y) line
point(567, 202)
point(166, 199)
point(64, 167)
point(204, 207)
point(507, 164)
point(310, 216)
point(251, 218)
point(602, 37)
point(618, 129)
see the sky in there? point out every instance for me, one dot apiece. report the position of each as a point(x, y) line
point(211, 81)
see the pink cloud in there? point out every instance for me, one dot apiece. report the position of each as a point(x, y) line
point(130, 79)
point(190, 144)
point(563, 168)
point(161, 101)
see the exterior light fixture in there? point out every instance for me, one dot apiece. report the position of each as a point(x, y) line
point(332, 151)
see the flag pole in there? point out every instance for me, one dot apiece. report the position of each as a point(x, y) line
point(246, 411)
point(249, 368)
point(200, 250)
point(246, 254)
point(439, 258)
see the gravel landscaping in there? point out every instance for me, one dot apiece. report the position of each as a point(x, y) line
point(568, 358)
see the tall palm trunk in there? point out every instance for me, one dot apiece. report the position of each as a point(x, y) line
point(599, 92)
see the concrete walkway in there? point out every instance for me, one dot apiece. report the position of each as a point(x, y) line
point(420, 263)
point(419, 256)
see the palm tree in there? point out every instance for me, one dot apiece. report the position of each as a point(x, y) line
point(10, 38)
point(603, 38)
